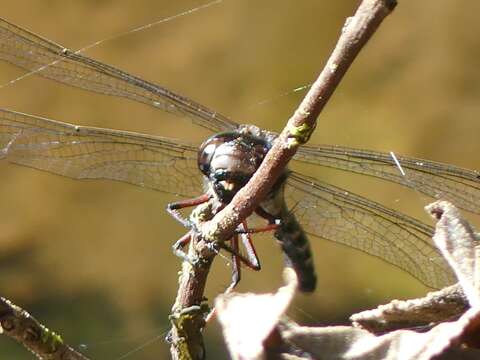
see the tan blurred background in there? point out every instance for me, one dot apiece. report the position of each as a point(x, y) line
point(93, 260)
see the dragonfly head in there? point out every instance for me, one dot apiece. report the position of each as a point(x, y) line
point(229, 160)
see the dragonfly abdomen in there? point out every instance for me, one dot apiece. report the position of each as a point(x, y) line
point(297, 252)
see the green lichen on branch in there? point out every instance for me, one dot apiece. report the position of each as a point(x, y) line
point(298, 135)
point(37, 338)
point(187, 324)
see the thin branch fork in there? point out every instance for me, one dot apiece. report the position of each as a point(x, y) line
point(187, 313)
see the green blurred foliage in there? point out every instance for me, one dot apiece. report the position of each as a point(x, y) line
point(93, 261)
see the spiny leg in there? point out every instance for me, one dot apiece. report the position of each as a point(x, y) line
point(267, 216)
point(180, 244)
point(236, 271)
point(251, 260)
point(251, 263)
point(266, 228)
point(273, 224)
point(246, 238)
point(173, 208)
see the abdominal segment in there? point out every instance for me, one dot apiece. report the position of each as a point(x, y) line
point(296, 249)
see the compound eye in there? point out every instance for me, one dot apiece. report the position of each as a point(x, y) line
point(205, 155)
point(209, 147)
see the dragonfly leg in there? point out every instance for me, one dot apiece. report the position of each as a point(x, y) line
point(173, 208)
point(180, 244)
point(236, 271)
point(266, 228)
point(254, 262)
point(273, 224)
point(267, 216)
point(251, 260)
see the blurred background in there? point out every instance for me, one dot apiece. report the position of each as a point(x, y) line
point(92, 260)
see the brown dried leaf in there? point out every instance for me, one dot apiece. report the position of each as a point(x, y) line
point(459, 244)
point(438, 306)
point(251, 321)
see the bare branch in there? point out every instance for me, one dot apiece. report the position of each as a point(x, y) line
point(25, 329)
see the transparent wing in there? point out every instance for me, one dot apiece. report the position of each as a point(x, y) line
point(82, 152)
point(31, 52)
point(34, 53)
point(438, 180)
point(333, 214)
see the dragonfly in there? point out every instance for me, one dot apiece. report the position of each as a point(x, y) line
point(323, 210)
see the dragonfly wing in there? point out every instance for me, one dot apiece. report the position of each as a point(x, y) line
point(34, 53)
point(82, 152)
point(331, 213)
point(438, 180)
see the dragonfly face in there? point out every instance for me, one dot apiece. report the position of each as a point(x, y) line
point(229, 160)
point(171, 166)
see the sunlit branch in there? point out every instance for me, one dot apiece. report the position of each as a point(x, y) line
point(355, 34)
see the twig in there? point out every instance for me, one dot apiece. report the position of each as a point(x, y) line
point(190, 309)
point(42, 342)
point(355, 34)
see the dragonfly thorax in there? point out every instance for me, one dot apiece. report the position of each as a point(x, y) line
point(229, 160)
